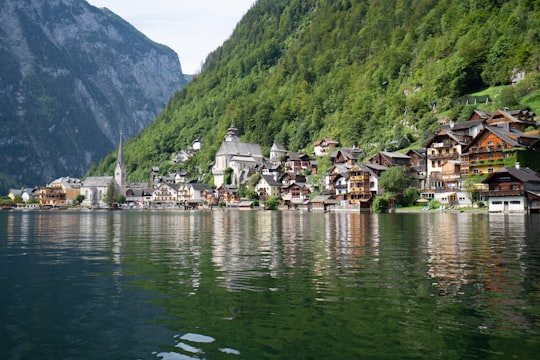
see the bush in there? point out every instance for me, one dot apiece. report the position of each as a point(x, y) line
point(271, 203)
point(380, 204)
point(434, 204)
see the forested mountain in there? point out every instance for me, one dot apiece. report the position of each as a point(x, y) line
point(364, 72)
point(72, 77)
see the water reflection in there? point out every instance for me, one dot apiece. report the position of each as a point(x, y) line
point(282, 284)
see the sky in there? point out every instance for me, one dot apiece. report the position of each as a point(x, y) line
point(192, 28)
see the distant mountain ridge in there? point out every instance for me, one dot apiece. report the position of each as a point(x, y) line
point(72, 77)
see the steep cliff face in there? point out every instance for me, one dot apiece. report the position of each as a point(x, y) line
point(72, 77)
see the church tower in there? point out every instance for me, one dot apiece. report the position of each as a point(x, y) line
point(120, 170)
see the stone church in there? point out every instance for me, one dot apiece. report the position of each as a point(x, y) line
point(239, 156)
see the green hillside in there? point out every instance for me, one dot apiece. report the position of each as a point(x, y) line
point(362, 72)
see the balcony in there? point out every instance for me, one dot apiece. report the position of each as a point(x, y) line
point(495, 193)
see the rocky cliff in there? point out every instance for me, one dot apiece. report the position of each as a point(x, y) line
point(72, 77)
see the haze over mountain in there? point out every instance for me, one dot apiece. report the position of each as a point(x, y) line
point(72, 77)
point(363, 72)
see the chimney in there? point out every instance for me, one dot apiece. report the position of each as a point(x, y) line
point(517, 165)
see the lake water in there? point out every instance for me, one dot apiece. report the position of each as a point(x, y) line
point(268, 285)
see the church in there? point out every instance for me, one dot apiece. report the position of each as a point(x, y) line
point(236, 155)
point(94, 188)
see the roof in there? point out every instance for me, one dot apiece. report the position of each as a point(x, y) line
point(270, 180)
point(395, 155)
point(464, 125)
point(243, 158)
point(327, 140)
point(239, 148)
point(522, 174)
point(97, 181)
point(278, 147)
point(325, 199)
point(200, 187)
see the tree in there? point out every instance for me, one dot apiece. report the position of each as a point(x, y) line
point(394, 180)
point(79, 199)
point(111, 195)
point(271, 203)
point(227, 176)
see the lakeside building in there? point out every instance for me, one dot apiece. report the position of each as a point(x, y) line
point(238, 156)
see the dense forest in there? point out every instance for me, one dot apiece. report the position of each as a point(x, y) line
point(364, 72)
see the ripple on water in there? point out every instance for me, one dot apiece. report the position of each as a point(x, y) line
point(192, 338)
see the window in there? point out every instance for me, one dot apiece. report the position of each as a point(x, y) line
point(490, 170)
point(476, 171)
point(432, 163)
point(515, 187)
point(497, 202)
point(490, 142)
point(515, 202)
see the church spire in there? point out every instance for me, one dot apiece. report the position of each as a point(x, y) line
point(120, 170)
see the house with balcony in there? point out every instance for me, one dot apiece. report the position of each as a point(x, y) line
point(295, 195)
point(268, 185)
point(513, 189)
point(166, 194)
point(337, 180)
point(363, 185)
point(296, 163)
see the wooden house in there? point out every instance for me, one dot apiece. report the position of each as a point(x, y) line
point(513, 189)
point(296, 163)
point(324, 146)
point(388, 158)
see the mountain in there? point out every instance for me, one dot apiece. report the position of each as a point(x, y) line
point(72, 77)
point(364, 72)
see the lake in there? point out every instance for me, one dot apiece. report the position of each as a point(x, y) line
point(268, 285)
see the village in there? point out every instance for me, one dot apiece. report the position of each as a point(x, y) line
point(496, 155)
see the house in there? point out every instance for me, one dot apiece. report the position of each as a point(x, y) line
point(228, 194)
point(418, 167)
point(295, 194)
point(61, 191)
point(513, 189)
point(197, 193)
point(268, 185)
point(25, 194)
point(322, 202)
point(388, 158)
point(336, 180)
point(94, 189)
point(499, 146)
point(277, 152)
point(347, 156)
point(238, 156)
point(446, 145)
point(137, 194)
point(362, 185)
point(324, 146)
point(166, 194)
point(296, 163)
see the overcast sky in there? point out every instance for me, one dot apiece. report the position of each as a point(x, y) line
point(192, 28)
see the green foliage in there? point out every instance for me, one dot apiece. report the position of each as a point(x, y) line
point(394, 180)
point(434, 204)
point(410, 195)
point(6, 201)
point(361, 72)
point(227, 174)
point(78, 199)
point(111, 195)
point(271, 203)
point(381, 203)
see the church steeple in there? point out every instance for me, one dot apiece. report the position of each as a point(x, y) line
point(120, 170)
